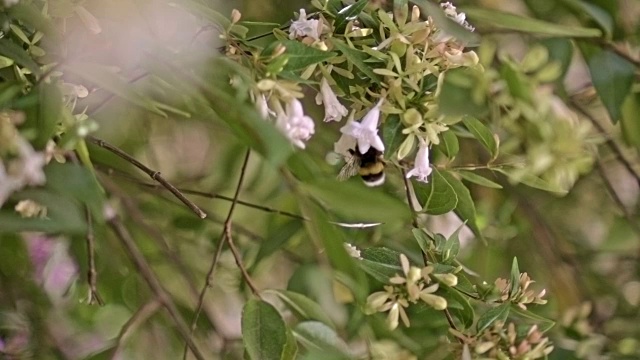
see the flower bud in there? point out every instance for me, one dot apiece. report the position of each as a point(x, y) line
point(447, 279)
point(435, 301)
point(235, 16)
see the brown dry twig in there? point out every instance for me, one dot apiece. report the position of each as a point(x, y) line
point(155, 175)
point(218, 251)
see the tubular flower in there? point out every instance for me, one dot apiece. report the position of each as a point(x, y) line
point(421, 169)
point(294, 124)
point(304, 27)
point(333, 110)
point(366, 131)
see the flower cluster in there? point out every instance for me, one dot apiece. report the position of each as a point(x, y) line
point(500, 342)
point(413, 285)
point(20, 164)
point(520, 294)
point(405, 56)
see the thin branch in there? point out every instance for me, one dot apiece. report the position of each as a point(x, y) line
point(216, 256)
point(155, 175)
point(613, 145)
point(92, 275)
point(238, 258)
point(134, 213)
point(145, 312)
point(414, 214)
point(152, 281)
point(616, 198)
point(425, 255)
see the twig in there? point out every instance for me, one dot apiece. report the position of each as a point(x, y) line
point(227, 198)
point(133, 211)
point(616, 198)
point(238, 258)
point(425, 255)
point(92, 276)
point(145, 312)
point(216, 256)
point(152, 280)
point(414, 215)
point(155, 175)
point(613, 145)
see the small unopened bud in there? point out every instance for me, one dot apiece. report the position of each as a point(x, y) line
point(392, 319)
point(279, 50)
point(411, 117)
point(415, 14)
point(266, 85)
point(484, 347)
point(435, 301)
point(447, 279)
point(235, 16)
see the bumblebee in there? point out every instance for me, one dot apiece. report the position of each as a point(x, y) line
point(370, 166)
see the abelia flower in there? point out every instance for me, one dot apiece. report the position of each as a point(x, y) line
point(294, 124)
point(333, 109)
point(422, 168)
point(304, 27)
point(365, 132)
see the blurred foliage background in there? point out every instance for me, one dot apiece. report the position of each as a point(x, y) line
point(583, 247)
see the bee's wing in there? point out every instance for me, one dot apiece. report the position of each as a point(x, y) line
point(350, 168)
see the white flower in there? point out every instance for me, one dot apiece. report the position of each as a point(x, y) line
point(333, 110)
point(294, 124)
point(421, 168)
point(352, 251)
point(440, 36)
point(303, 27)
point(366, 131)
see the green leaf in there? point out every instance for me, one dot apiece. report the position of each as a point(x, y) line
point(348, 14)
point(381, 263)
point(612, 77)
point(316, 335)
point(544, 324)
point(276, 238)
point(303, 307)
point(532, 181)
point(599, 15)
point(423, 239)
point(465, 208)
point(477, 179)
point(9, 90)
point(447, 24)
point(321, 232)
point(64, 215)
point(498, 313)
point(449, 145)
point(515, 277)
point(30, 14)
point(357, 58)
point(630, 121)
point(49, 113)
point(300, 55)
point(451, 247)
point(103, 77)
point(77, 182)
point(264, 333)
point(437, 197)
point(201, 9)
point(482, 134)
point(9, 49)
point(392, 135)
point(457, 93)
point(508, 21)
point(354, 201)
point(458, 305)
point(560, 50)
